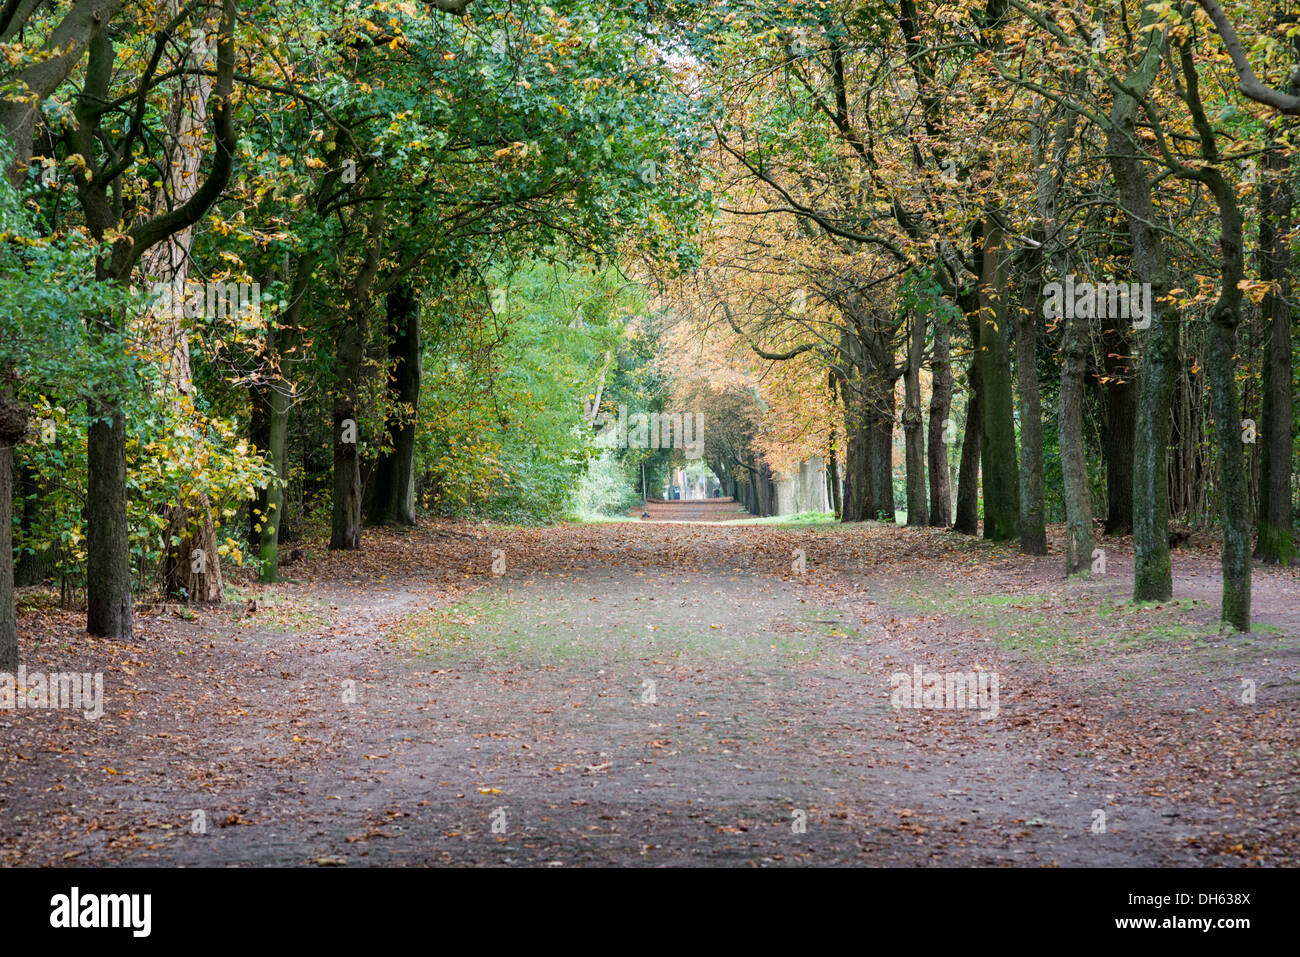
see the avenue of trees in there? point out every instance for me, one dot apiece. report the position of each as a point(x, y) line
point(271, 271)
point(956, 200)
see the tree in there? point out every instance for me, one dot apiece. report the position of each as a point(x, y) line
point(1274, 540)
point(45, 348)
point(108, 157)
point(1152, 572)
point(40, 72)
point(998, 465)
point(393, 500)
point(13, 427)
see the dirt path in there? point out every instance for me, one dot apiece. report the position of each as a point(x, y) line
point(667, 695)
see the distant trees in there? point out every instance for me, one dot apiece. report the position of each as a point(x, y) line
point(999, 148)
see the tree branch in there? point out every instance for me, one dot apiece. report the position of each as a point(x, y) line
point(1248, 82)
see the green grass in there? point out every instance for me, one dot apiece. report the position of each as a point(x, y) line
point(596, 518)
point(280, 610)
point(498, 625)
point(1042, 624)
point(1121, 608)
point(800, 518)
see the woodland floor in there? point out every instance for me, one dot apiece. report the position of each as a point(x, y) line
point(527, 692)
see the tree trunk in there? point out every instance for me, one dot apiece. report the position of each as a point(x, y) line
point(968, 475)
point(1079, 539)
point(997, 416)
point(108, 546)
point(858, 491)
point(918, 513)
point(1152, 573)
point(345, 526)
point(32, 568)
point(269, 522)
point(1119, 388)
point(1051, 141)
point(43, 69)
point(393, 497)
point(766, 491)
point(1275, 543)
point(875, 329)
point(940, 410)
point(1121, 419)
point(833, 475)
point(1033, 523)
point(13, 426)
point(191, 565)
point(1234, 506)
point(108, 585)
point(882, 458)
point(1221, 366)
point(259, 437)
point(272, 403)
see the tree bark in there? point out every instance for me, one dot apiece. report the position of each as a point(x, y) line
point(259, 436)
point(190, 529)
point(940, 410)
point(1119, 386)
point(997, 419)
point(918, 512)
point(13, 426)
point(1079, 538)
point(1234, 507)
point(1152, 572)
point(108, 545)
point(882, 455)
point(38, 567)
point(345, 527)
point(393, 497)
point(1121, 420)
point(1033, 523)
point(968, 474)
point(269, 522)
point(108, 582)
point(858, 490)
point(1274, 542)
point(833, 475)
point(44, 70)
point(273, 402)
point(1221, 349)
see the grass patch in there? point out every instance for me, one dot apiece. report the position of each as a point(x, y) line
point(597, 518)
point(528, 627)
point(281, 610)
point(800, 518)
point(1042, 623)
